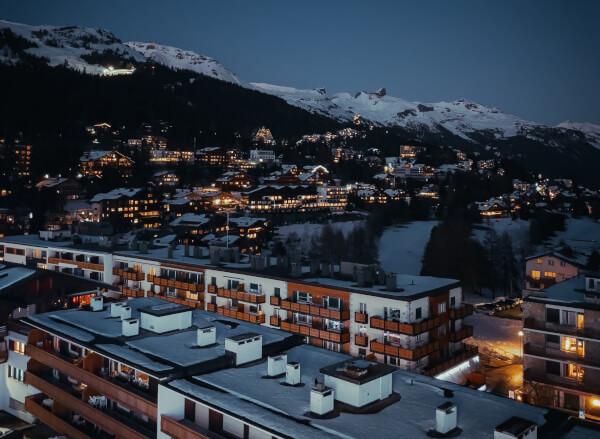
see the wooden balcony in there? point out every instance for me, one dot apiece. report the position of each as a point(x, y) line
point(361, 317)
point(211, 307)
point(468, 352)
point(334, 336)
point(465, 332)
point(132, 292)
point(360, 340)
point(173, 283)
point(274, 321)
point(378, 322)
point(184, 429)
point(275, 301)
point(247, 317)
point(34, 407)
point(79, 264)
point(124, 397)
point(560, 355)
point(88, 412)
point(461, 312)
point(316, 310)
point(557, 328)
point(132, 275)
point(212, 289)
point(243, 296)
point(407, 354)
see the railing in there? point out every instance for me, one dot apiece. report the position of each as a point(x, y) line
point(133, 292)
point(378, 322)
point(274, 321)
point(361, 317)
point(235, 314)
point(360, 340)
point(173, 283)
point(91, 414)
point(182, 301)
point(310, 308)
point(241, 295)
point(211, 307)
point(34, 407)
point(560, 355)
point(183, 429)
point(275, 301)
point(334, 336)
point(462, 312)
point(407, 354)
point(589, 386)
point(212, 289)
point(124, 397)
point(82, 265)
point(465, 332)
point(531, 323)
point(468, 352)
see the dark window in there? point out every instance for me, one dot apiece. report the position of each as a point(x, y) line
point(362, 352)
point(591, 284)
point(553, 368)
point(550, 338)
point(190, 410)
point(452, 302)
point(571, 401)
point(215, 421)
point(213, 281)
point(419, 312)
point(552, 315)
point(277, 292)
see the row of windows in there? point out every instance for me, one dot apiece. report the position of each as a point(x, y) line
point(16, 373)
point(550, 262)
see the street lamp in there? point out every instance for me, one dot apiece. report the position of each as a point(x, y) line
point(521, 333)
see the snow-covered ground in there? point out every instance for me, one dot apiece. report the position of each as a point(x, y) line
point(495, 335)
point(401, 248)
point(580, 234)
point(517, 230)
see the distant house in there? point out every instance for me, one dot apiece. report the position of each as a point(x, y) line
point(67, 188)
point(546, 269)
point(124, 207)
point(213, 156)
point(92, 163)
point(492, 208)
point(166, 178)
point(234, 180)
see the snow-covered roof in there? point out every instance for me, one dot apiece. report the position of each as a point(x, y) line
point(246, 221)
point(10, 276)
point(116, 194)
point(190, 219)
point(51, 182)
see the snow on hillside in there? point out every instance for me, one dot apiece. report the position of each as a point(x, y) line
point(60, 44)
point(591, 131)
point(184, 60)
point(401, 248)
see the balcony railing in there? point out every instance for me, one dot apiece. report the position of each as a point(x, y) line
point(407, 354)
point(132, 292)
point(459, 357)
point(361, 317)
point(360, 340)
point(137, 401)
point(173, 283)
point(98, 417)
point(184, 429)
point(589, 386)
point(560, 355)
point(275, 301)
point(465, 332)
point(316, 310)
point(235, 314)
point(274, 321)
point(405, 328)
point(531, 323)
point(82, 265)
point(334, 336)
point(461, 312)
point(33, 405)
point(244, 296)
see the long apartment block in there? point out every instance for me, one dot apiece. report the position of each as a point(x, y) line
point(562, 346)
point(410, 322)
point(146, 368)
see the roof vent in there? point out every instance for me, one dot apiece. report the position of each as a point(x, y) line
point(115, 309)
point(276, 365)
point(97, 303)
point(446, 417)
point(390, 282)
point(130, 327)
point(292, 373)
point(244, 347)
point(321, 399)
point(125, 312)
point(206, 336)
point(516, 427)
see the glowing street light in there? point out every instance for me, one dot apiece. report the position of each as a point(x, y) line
point(521, 333)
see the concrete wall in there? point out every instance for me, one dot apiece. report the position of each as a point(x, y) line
point(360, 395)
point(161, 324)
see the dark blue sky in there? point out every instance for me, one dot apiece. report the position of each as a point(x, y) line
point(536, 59)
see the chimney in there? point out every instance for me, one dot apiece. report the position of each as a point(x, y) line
point(144, 247)
point(276, 365)
point(516, 427)
point(196, 251)
point(380, 276)
point(321, 399)
point(361, 277)
point(314, 268)
point(206, 336)
point(445, 418)
point(130, 327)
point(325, 269)
point(125, 312)
point(292, 373)
point(215, 257)
point(97, 303)
point(170, 251)
point(390, 282)
point(115, 309)
point(267, 256)
point(186, 249)
point(244, 347)
point(296, 269)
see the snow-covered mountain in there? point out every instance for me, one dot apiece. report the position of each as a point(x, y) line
point(462, 119)
point(65, 44)
point(590, 130)
point(184, 59)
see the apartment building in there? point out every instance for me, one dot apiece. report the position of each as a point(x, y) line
point(150, 369)
point(411, 322)
point(561, 363)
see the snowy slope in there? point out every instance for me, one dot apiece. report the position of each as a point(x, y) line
point(60, 44)
point(591, 131)
point(184, 60)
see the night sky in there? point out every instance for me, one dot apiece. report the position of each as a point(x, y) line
point(536, 59)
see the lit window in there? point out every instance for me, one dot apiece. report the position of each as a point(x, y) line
point(535, 274)
point(549, 274)
point(539, 261)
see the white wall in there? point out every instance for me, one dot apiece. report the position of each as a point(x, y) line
point(360, 395)
point(170, 403)
point(171, 322)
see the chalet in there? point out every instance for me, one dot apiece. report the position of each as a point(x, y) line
point(67, 188)
point(314, 175)
point(165, 178)
point(546, 269)
point(124, 207)
point(492, 208)
point(288, 176)
point(262, 156)
point(213, 156)
point(283, 198)
point(234, 180)
point(92, 163)
point(263, 136)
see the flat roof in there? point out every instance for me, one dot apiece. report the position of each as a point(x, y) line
point(515, 426)
point(570, 292)
point(164, 309)
point(357, 371)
